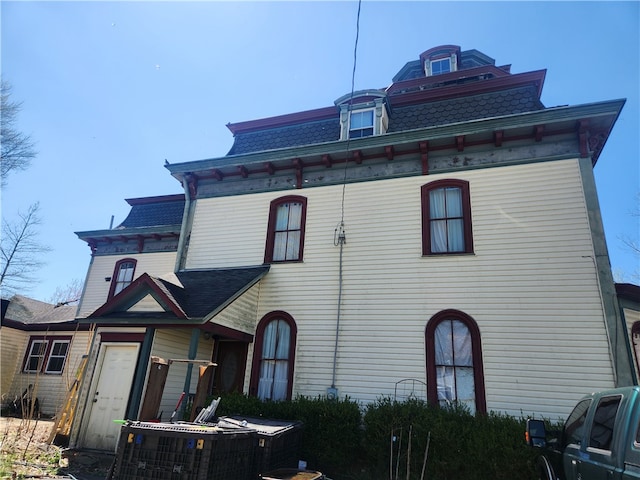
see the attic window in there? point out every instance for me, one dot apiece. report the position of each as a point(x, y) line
point(442, 65)
point(361, 123)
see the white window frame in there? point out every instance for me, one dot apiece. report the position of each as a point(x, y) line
point(439, 61)
point(41, 356)
point(361, 129)
point(63, 357)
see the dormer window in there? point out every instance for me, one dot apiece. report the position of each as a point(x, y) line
point(363, 114)
point(439, 60)
point(361, 123)
point(440, 66)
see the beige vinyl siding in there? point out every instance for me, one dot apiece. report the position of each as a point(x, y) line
point(13, 344)
point(241, 314)
point(52, 389)
point(147, 304)
point(174, 344)
point(530, 285)
point(97, 289)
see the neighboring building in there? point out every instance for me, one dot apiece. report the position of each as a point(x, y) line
point(629, 300)
point(42, 345)
point(444, 230)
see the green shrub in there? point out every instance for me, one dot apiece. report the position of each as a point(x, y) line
point(347, 443)
point(331, 427)
point(461, 445)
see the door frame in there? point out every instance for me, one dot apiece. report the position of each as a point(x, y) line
point(97, 371)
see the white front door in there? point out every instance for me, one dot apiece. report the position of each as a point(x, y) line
point(109, 395)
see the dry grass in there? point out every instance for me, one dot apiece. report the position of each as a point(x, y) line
point(24, 450)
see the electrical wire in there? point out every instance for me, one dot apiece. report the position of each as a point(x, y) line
point(339, 236)
point(353, 83)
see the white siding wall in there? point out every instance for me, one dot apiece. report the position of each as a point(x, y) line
point(51, 390)
point(530, 285)
point(97, 289)
point(241, 314)
point(174, 344)
point(13, 344)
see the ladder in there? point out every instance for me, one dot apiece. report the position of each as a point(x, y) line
point(62, 426)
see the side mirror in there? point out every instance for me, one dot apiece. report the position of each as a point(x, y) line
point(536, 434)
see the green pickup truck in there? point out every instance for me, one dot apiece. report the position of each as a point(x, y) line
point(600, 439)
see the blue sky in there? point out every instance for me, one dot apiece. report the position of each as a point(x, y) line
point(112, 89)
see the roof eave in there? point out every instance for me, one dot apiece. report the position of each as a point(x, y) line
point(547, 116)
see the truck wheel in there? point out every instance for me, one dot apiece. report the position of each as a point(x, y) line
point(544, 469)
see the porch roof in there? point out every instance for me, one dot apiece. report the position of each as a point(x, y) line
point(186, 298)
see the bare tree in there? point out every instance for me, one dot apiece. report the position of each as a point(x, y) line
point(632, 244)
point(67, 294)
point(20, 251)
point(17, 149)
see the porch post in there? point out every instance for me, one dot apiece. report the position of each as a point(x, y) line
point(140, 375)
point(193, 351)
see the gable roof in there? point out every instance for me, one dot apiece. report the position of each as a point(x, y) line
point(27, 313)
point(193, 297)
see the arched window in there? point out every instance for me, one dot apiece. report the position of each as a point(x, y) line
point(285, 230)
point(446, 217)
point(273, 357)
point(454, 361)
point(122, 275)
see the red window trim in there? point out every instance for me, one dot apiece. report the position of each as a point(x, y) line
point(476, 346)
point(466, 215)
point(257, 350)
point(116, 270)
point(49, 339)
point(271, 227)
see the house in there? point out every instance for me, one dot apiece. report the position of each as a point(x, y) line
point(441, 234)
point(629, 300)
point(42, 346)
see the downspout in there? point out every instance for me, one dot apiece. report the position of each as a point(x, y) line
point(339, 240)
point(186, 221)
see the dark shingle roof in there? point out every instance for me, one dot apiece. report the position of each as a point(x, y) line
point(154, 214)
point(288, 136)
point(194, 294)
point(28, 311)
point(494, 104)
point(428, 114)
point(206, 290)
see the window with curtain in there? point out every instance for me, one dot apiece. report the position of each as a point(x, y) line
point(285, 235)
point(274, 351)
point(122, 276)
point(446, 218)
point(454, 361)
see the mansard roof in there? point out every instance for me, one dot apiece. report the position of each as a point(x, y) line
point(150, 218)
point(154, 211)
point(476, 89)
point(431, 120)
